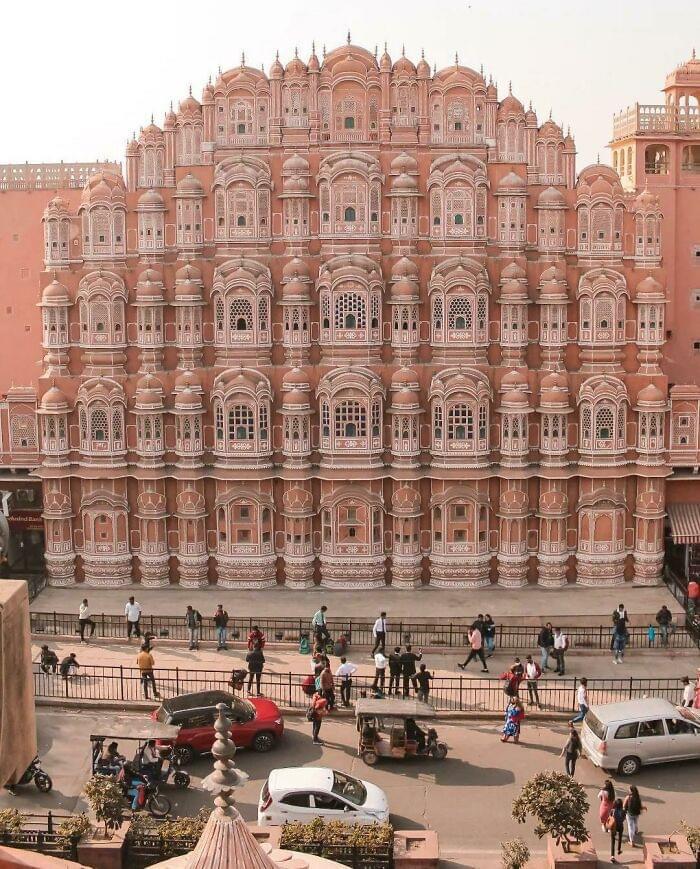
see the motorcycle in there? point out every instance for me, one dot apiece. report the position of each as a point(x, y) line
point(144, 792)
point(42, 780)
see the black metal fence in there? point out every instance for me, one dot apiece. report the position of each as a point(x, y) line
point(421, 634)
point(447, 693)
point(38, 833)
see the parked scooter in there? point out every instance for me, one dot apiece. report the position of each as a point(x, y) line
point(42, 779)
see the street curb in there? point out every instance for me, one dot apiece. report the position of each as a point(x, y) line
point(69, 705)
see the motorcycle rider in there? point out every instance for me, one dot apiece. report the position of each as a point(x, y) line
point(151, 760)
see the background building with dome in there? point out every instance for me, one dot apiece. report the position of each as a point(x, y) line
point(352, 323)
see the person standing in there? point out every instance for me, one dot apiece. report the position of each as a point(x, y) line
point(582, 700)
point(68, 666)
point(380, 662)
point(394, 670)
point(619, 640)
point(688, 691)
point(532, 675)
point(220, 623)
point(514, 715)
point(256, 662)
point(489, 635)
point(693, 596)
point(633, 807)
point(84, 619)
point(571, 750)
point(616, 825)
point(664, 619)
point(132, 611)
point(560, 644)
point(478, 624)
point(379, 634)
point(545, 640)
point(145, 663)
point(256, 638)
point(193, 622)
point(345, 673)
point(48, 662)
point(318, 709)
point(424, 678)
point(328, 686)
point(409, 659)
point(319, 626)
point(476, 651)
point(606, 795)
point(620, 613)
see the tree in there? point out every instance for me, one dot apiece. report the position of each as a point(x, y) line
point(514, 854)
point(106, 801)
point(558, 803)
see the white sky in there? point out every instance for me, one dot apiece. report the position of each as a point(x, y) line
point(78, 77)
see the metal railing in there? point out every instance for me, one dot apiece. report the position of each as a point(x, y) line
point(424, 634)
point(38, 833)
point(447, 693)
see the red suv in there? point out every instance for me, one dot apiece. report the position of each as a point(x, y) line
point(256, 723)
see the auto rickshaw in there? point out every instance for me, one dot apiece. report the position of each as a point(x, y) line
point(389, 728)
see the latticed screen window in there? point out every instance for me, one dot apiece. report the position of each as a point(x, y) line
point(437, 421)
point(350, 312)
point(241, 423)
point(376, 308)
point(438, 312)
point(101, 230)
point(460, 313)
point(240, 315)
point(263, 417)
point(460, 423)
point(23, 431)
point(621, 424)
point(99, 426)
point(83, 424)
point(481, 312)
point(117, 423)
point(586, 417)
point(376, 419)
point(604, 421)
point(601, 224)
point(459, 204)
point(264, 313)
point(219, 422)
point(483, 421)
point(350, 420)
point(325, 420)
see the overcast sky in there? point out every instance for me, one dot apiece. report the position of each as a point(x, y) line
point(78, 77)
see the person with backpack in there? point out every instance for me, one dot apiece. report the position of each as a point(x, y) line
point(572, 750)
point(220, 623)
point(512, 679)
point(560, 643)
point(582, 700)
point(193, 622)
point(615, 825)
point(533, 672)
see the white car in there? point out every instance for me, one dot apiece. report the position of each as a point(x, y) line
point(302, 793)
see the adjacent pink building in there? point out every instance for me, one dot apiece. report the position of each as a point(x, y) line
point(360, 322)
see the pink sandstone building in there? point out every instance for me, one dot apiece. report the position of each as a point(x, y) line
point(357, 322)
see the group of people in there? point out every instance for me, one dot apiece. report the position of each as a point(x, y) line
point(613, 813)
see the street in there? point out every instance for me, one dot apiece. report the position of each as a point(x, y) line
point(466, 797)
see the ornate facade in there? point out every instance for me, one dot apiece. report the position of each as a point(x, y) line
point(354, 322)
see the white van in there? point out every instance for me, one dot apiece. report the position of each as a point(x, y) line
point(623, 737)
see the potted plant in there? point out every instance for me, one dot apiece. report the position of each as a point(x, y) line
point(10, 824)
point(680, 849)
point(514, 854)
point(559, 805)
point(105, 798)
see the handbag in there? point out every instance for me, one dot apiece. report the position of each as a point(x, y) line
point(310, 713)
point(611, 823)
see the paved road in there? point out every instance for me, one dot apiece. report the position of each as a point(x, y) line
point(466, 798)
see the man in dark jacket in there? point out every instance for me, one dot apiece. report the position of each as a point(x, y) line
point(394, 670)
point(193, 621)
point(255, 661)
point(545, 640)
point(664, 618)
point(49, 660)
point(409, 660)
point(220, 623)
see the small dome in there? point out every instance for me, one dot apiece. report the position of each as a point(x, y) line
point(385, 61)
point(170, 119)
point(55, 293)
point(404, 268)
point(295, 268)
point(423, 67)
point(403, 163)
point(531, 117)
point(555, 380)
point(491, 92)
point(515, 379)
point(405, 398)
point(513, 289)
point(512, 180)
point(150, 276)
point(188, 272)
point(404, 377)
point(208, 92)
point(313, 65)
point(148, 381)
point(54, 399)
point(552, 289)
point(295, 378)
point(551, 197)
point(511, 106)
point(404, 182)
point(190, 104)
point(512, 271)
point(296, 66)
point(188, 380)
point(188, 399)
point(295, 163)
point(601, 187)
point(189, 186)
point(514, 398)
point(404, 66)
point(404, 289)
point(550, 128)
point(296, 398)
point(651, 395)
point(649, 287)
point(553, 273)
point(554, 398)
point(295, 289)
point(276, 70)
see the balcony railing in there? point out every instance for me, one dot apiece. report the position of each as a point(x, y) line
point(656, 118)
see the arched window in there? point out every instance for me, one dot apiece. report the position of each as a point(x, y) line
point(241, 423)
point(349, 123)
point(349, 214)
point(350, 420)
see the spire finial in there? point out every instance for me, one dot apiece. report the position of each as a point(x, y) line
point(403, 50)
point(510, 88)
point(219, 69)
point(324, 50)
point(209, 78)
point(277, 55)
point(434, 68)
point(151, 117)
point(190, 90)
point(376, 50)
point(693, 54)
point(243, 58)
point(422, 54)
point(296, 52)
point(313, 46)
point(385, 48)
point(550, 114)
point(598, 158)
point(348, 37)
point(456, 59)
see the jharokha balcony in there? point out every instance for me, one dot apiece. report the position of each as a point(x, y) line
point(656, 119)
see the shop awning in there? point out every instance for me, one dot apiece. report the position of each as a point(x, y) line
point(685, 522)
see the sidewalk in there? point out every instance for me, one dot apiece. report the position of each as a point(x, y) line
point(571, 605)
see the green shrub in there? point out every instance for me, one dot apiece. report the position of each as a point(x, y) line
point(296, 835)
point(558, 803)
point(106, 801)
point(75, 828)
point(10, 821)
point(514, 854)
point(692, 834)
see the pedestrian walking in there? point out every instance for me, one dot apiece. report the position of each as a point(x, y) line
point(664, 619)
point(317, 711)
point(68, 666)
point(220, 623)
point(424, 678)
point(145, 663)
point(132, 612)
point(545, 640)
point(48, 662)
point(616, 826)
point(319, 626)
point(478, 624)
point(572, 750)
point(394, 670)
point(319, 662)
point(379, 634)
point(619, 641)
point(632, 805)
point(256, 638)
point(256, 662)
point(533, 672)
point(345, 673)
point(193, 622)
point(581, 700)
point(85, 620)
point(476, 651)
point(560, 644)
point(328, 686)
point(514, 716)
point(489, 635)
point(512, 678)
point(688, 691)
point(620, 613)
point(380, 662)
point(409, 659)
point(606, 795)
